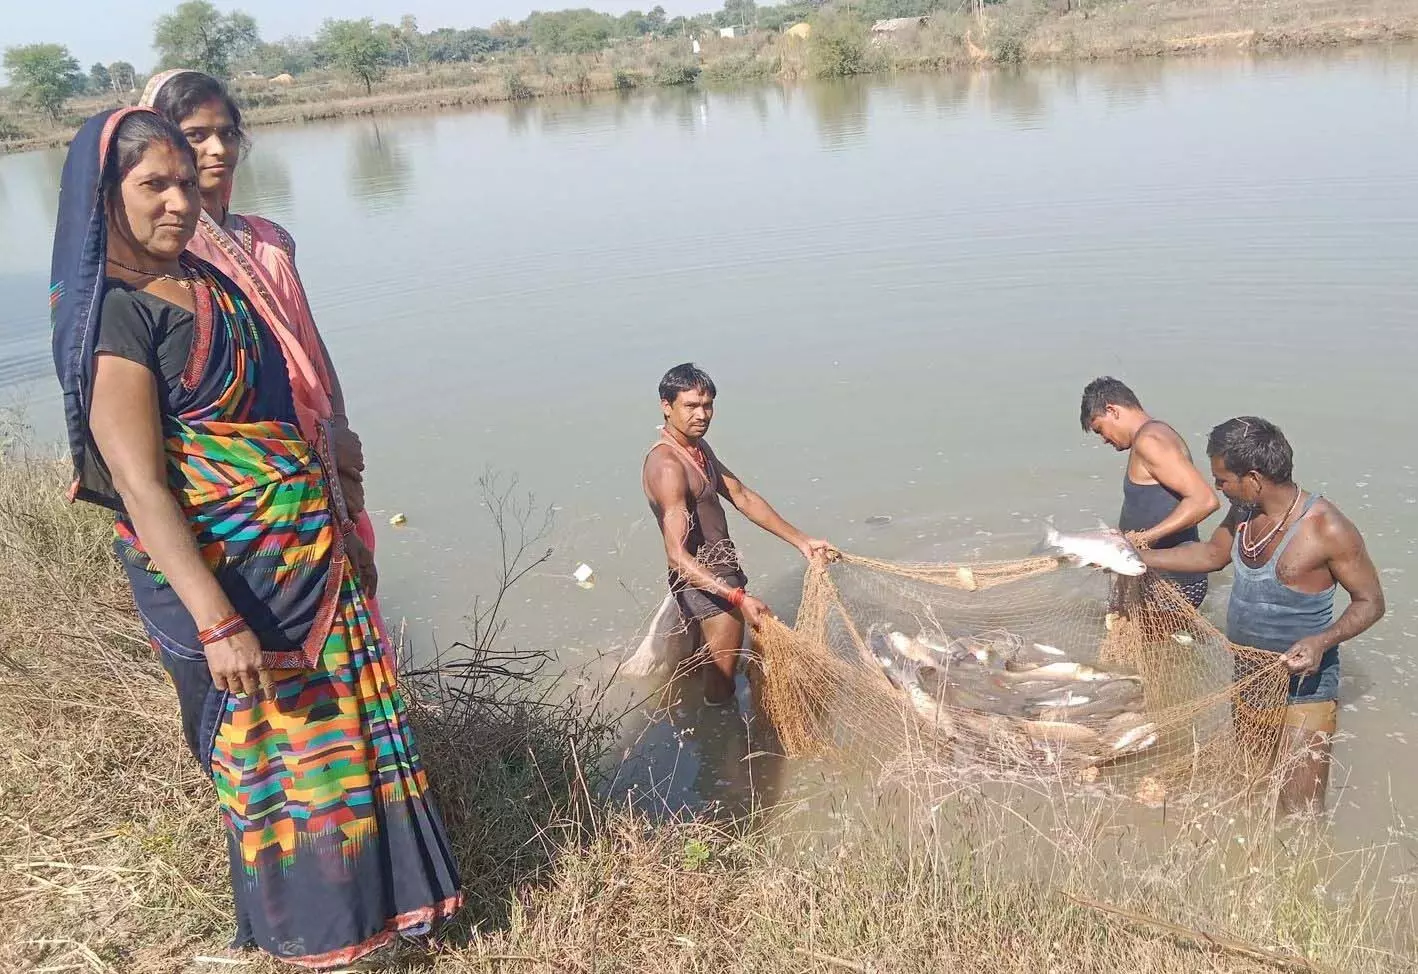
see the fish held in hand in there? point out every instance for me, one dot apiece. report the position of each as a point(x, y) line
point(1104, 548)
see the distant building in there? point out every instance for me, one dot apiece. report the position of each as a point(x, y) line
point(894, 24)
point(736, 31)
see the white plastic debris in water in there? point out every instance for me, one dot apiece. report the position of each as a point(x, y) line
point(398, 520)
point(583, 575)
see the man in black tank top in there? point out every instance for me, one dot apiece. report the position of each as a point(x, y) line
point(1165, 497)
point(684, 481)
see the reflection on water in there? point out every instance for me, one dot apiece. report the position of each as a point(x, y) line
point(1019, 95)
point(840, 110)
point(946, 96)
point(683, 106)
point(379, 169)
point(263, 184)
point(900, 286)
point(519, 115)
point(1128, 85)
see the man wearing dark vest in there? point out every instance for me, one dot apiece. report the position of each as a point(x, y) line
point(1165, 497)
point(683, 481)
point(1290, 549)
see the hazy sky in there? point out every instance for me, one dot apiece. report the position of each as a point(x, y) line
point(99, 31)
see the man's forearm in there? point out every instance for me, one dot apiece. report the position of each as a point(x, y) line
point(1198, 556)
point(1356, 619)
point(1188, 513)
point(761, 513)
point(697, 576)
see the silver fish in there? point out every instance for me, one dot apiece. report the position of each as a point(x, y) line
point(1133, 747)
point(1104, 548)
point(1059, 731)
point(1032, 657)
point(909, 676)
point(1093, 712)
point(1068, 698)
point(973, 699)
point(1064, 670)
point(1122, 723)
point(904, 645)
point(941, 649)
point(1133, 738)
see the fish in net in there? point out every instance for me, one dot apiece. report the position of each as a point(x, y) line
point(1017, 667)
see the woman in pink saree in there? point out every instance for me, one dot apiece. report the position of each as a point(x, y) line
point(259, 256)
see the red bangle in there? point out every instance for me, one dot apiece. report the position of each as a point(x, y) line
point(736, 597)
point(225, 629)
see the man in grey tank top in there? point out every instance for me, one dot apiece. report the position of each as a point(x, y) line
point(684, 480)
point(1165, 497)
point(1290, 550)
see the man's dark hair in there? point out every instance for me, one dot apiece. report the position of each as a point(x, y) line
point(1101, 393)
point(133, 137)
point(683, 378)
point(1249, 443)
point(185, 93)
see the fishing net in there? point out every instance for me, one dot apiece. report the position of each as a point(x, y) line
point(1018, 667)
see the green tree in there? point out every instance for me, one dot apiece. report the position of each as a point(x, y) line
point(580, 31)
point(99, 79)
point(45, 75)
point(410, 44)
point(356, 47)
point(123, 76)
point(198, 35)
point(737, 13)
point(446, 44)
point(293, 55)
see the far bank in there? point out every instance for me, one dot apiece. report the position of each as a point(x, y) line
point(1010, 34)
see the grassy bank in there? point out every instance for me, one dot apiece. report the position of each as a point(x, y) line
point(1010, 33)
point(111, 856)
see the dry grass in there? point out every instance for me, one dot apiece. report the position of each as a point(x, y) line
point(110, 838)
point(111, 856)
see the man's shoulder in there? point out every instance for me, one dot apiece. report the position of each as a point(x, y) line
point(1326, 531)
point(660, 459)
point(1159, 435)
point(1329, 524)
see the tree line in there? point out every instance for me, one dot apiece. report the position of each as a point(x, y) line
point(198, 35)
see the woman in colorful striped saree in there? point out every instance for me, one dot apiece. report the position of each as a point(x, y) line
point(259, 255)
point(179, 401)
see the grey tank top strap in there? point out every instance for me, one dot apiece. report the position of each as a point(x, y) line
point(1291, 531)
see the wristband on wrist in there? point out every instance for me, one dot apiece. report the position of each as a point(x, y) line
point(225, 629)
point(736, 597)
